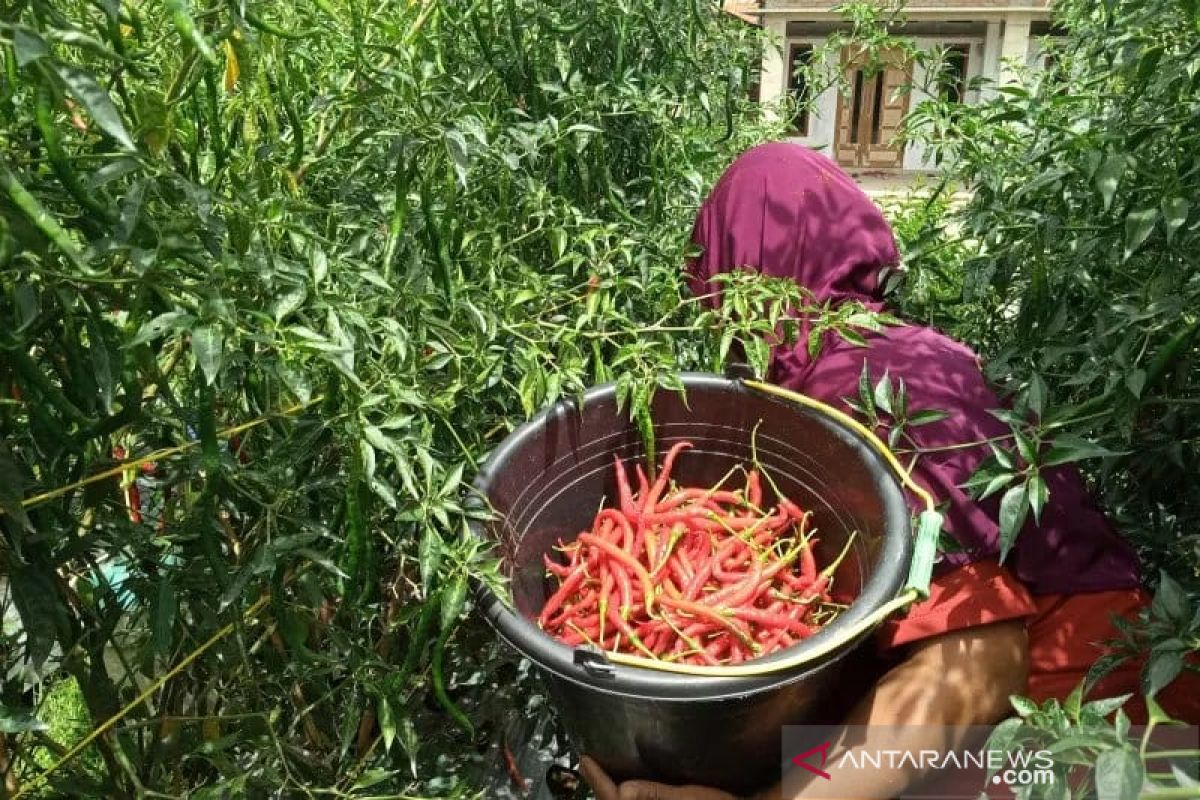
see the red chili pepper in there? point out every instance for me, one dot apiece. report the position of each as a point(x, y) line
point(626, 559)
point(568, 588)
point(753, 489)
point(664, 476)
point(767, 619)
point(704, 576)
point(624, 496)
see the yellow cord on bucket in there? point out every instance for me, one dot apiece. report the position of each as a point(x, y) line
point(864, 625)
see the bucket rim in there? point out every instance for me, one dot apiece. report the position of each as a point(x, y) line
point(550, 655)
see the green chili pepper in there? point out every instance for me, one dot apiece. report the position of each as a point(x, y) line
point(214, 117)
point(354, 556)
point(35, 378)
point(210, 452)
point(397, 681)
point(44, 118)
point(205, 514)
point(28, 205)
point(261, 24)
point(1170, 353)
point(399, 216)
point(181, 18)
point(443, 269)
point(454, 598)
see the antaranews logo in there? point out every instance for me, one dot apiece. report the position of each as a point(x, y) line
point(881, 755)
point(1017, 768)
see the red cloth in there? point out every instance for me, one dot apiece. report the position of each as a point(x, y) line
point(1066, 634)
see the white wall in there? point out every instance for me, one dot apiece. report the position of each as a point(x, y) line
point(823, 117)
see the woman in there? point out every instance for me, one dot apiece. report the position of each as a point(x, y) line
point(1030, 626)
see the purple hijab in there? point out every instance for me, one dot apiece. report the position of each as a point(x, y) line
point(790, 212)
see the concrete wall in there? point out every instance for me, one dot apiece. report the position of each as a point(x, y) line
point(823, 117)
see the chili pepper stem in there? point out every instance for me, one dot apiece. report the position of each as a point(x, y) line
point(827, 573)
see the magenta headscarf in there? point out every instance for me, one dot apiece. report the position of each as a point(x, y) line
point(790, 212)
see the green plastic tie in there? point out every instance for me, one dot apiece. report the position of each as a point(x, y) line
point(929, 529)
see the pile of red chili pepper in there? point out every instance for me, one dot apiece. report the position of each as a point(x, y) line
point(702, 576)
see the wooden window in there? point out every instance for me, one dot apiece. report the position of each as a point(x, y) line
point(856, 101)
point(799, 56)
point(877, 110)
point(954, 74)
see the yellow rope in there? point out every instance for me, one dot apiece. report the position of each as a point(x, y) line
point(137, 701)
point(159, 455)
point(863, 626)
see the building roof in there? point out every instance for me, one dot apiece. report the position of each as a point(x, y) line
point(746, 10)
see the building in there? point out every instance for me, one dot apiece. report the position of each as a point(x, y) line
point(983, 38)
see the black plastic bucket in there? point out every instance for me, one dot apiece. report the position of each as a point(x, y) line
point(546, 481)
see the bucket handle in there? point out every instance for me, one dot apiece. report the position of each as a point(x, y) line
point(929, 526)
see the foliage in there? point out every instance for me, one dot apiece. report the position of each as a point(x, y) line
point(1081, 259)
point(315, 259)
point(1091, 757)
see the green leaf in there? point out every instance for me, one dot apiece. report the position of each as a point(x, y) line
point(429, 558)
point(35, 596)
point(1039, 493)
point(163, 616)
point(456, 146)
point(864, 390)
point(1163, 667)
point(102, 366)
point(12, 487)
point(1135, 381)
point(1036, 394)
point(1014, 508)
point(926, 417)
point(1138, 226)
point(288, 302)
point(1105, 706)
point(160, 326)
point(19, 720)
point(1170, 601)
point(1005, 735)
point(28, 46)
point(1023, 705)
point(96, 100)
point(883, 393)
point(208, 345)
point(454, 600)
point(318, 263)
point(387, 724)
point(1175, 213)
point(1119, 775)
point(1108, 175)
point(1067, 448)
point(996, 484)
point(1155, 712)
point(1026, 447)
point(1073, 702)
point(372, 777)
point(1003, 457)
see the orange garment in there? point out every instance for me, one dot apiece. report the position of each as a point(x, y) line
point(1066, 634)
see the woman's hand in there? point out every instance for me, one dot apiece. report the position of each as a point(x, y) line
point(605, 789)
